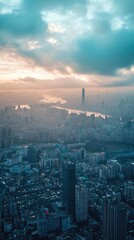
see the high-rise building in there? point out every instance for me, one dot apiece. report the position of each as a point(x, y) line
point(81, 203)
point(31, 154)
point(2, 192)
point(83, 96)
point(6, 138)
point(129, 190)
point(114, 220)
point(69, 187)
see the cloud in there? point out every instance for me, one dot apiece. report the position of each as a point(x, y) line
point(32, 83)
point(27, 20)
point(124, 7)
point(70, 82)
point(53, 4)
point(21, 24)
point(120, 83)
point(101, 24)
point(104, 55)
point(90, 36)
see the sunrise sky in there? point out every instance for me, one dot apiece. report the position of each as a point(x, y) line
point(66, 43)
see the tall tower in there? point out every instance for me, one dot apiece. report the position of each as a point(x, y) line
point(31, 154)
point(6, 137)
point(69, 187)
point(114, 220)
point(83, 96)
point(81, 203)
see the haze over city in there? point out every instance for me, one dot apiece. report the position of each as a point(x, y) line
point(66, 119)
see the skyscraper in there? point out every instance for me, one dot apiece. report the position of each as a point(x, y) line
point(6, 138)
point(31, 154)
point(114, 220)
point(83, 96)
point(81, 203)
point(69, 187)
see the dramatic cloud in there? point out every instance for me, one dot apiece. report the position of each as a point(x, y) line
point(83, 41)
point(20, 24)
point(105, 54)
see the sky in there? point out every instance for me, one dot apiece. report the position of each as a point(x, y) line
point(66, 44)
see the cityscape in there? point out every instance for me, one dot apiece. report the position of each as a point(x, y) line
point(66, 120)
point(66, 175)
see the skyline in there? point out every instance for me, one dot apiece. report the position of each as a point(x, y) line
point(66, 119)
point(70, 44)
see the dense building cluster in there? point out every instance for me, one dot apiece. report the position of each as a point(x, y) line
point(61, 180)
point(61, 191)
point(41, 123)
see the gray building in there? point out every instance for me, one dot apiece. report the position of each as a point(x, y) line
point(114, 220)
point(69, 187)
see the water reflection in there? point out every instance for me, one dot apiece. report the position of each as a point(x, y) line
point(69, 110)
point(52, 99)
point(17, 107)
